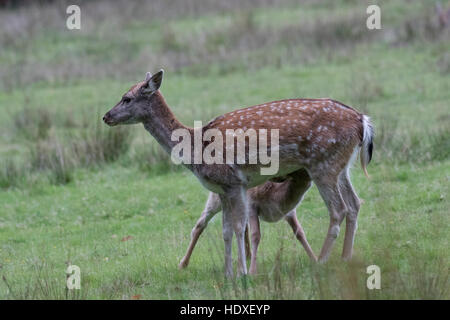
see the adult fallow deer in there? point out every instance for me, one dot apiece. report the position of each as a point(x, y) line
point(318, 135)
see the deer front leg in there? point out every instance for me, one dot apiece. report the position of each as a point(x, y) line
point(227, 232)
point(255, 238)
point(291, 218)
point(235, 213)
point(213, 205)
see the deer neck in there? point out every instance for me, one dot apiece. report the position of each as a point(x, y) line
point(161, 122)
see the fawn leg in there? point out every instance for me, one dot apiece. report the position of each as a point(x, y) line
point(255, 238)
point(247, 243)
point(212, 206)
point(291, 218)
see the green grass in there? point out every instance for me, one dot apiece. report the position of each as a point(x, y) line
point(66, 197)
point(404, 218)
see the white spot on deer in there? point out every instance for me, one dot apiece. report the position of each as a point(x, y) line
point(299, 138)
point(319, 128)
point(331, 140)
point(259, 113)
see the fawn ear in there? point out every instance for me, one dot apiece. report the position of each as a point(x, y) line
point(153, 82)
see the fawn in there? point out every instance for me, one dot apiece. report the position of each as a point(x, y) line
point(320, 136)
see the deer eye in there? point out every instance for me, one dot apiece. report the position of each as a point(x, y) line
point(126, 99)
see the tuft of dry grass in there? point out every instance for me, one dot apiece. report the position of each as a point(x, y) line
point(58, 154)
point(237, 44)
point(43, 285)
point(32, 123)
point(285, 278)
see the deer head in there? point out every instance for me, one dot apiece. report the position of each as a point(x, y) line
point(136, 105)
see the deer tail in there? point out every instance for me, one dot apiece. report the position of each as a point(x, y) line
point(366, 143)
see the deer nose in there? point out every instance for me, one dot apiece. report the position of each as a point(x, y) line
point(107, 119)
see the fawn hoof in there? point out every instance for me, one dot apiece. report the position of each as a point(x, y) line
point(183, 264)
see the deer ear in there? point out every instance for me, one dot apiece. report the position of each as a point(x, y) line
point(153, 82)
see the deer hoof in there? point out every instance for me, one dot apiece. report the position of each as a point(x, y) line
point(183, 264)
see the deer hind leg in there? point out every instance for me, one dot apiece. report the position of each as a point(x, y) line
point(212, 206)
point(329, 190)
point(255, 238)
point(291, 218)
point(353, 203)
point(235, 213)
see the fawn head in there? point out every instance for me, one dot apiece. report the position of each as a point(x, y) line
point(137, 103)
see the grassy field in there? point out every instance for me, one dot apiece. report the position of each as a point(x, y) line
point(73, 191)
